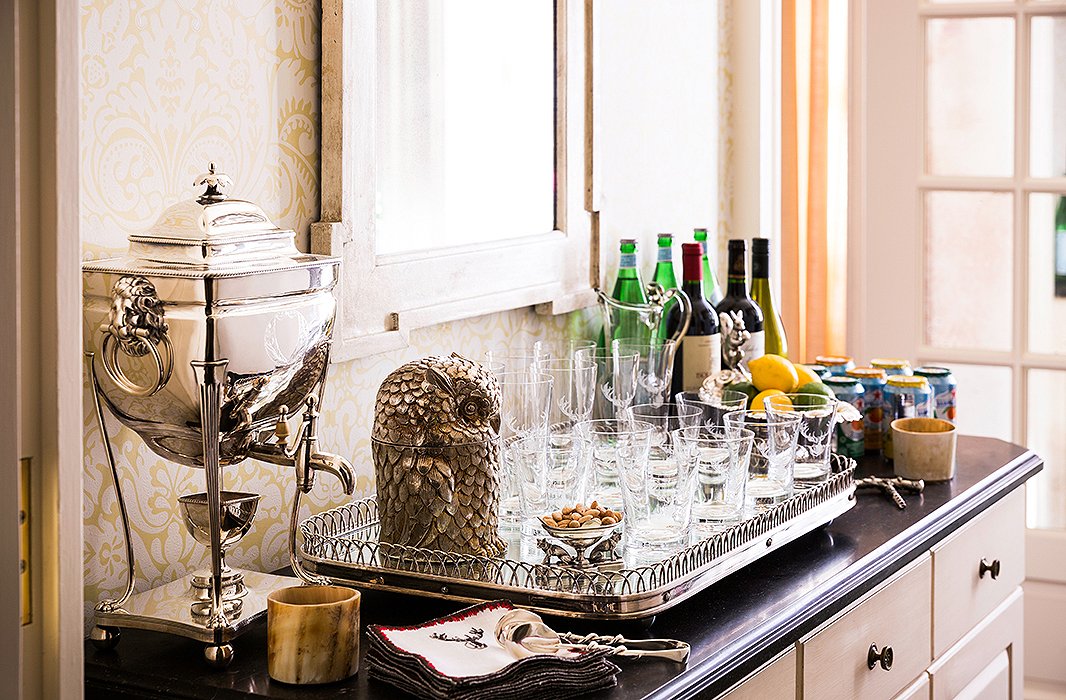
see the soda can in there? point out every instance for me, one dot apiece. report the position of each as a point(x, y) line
point(849, 435)
point(943, 384)
point(873, 380)
point(905, 397)
point(838, 365)
point(892, 365)
point(819, 370)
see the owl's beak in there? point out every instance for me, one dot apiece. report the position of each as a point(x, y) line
point(494, 421)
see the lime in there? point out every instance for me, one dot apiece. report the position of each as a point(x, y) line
point(773, 372)
point(816, 388)
point(746, 388)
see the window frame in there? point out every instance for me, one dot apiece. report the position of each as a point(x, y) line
point(381, 298)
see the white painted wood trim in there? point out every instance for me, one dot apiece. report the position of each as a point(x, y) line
point(10, 632)
point(1043, 556)
point(382, 297)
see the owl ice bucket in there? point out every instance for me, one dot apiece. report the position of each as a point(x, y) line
point(204, 339)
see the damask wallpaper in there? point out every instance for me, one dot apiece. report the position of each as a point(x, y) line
point(166, 88)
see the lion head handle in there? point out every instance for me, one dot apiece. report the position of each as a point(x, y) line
point(136, 315)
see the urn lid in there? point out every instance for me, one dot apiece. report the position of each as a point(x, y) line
point(210, 235)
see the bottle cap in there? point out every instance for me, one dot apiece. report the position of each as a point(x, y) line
point(700, 234)
point(737, 244)
point(666, 235)
point(760, 246)
point(692, 262)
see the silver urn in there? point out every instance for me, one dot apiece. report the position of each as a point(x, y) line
point(212, 278)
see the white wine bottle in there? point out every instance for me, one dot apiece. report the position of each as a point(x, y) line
point(774, 340)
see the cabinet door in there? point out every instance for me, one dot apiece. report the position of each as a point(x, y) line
point(976, 568)
point(775, 681)
point(987, 662)
point(835, 658)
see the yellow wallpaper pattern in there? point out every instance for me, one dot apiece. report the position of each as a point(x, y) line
point(167, 87)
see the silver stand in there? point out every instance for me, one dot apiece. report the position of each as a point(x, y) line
point(174, 607)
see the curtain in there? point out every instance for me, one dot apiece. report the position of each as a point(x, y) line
point(814, 176)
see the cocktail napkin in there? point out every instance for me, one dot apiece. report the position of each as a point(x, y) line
point(458, 656)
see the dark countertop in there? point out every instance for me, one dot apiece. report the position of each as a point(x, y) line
point(734, 626)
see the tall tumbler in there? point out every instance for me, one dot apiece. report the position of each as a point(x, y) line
point(524, 409)
point(818, 419)
point(770, 473)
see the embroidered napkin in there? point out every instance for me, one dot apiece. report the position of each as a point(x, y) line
point(459, 657)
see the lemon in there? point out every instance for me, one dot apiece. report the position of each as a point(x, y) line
point(781, 404)
point(806, 375)
point(773, 372)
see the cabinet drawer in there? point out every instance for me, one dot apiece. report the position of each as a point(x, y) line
point(962, 596)
point(987, 662)
point(776, 680)
point(896, 615)
point(919, 691)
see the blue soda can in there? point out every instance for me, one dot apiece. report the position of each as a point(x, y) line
point(849, 435)
point(892, 366)
point(873, 380)
point(838, 365)
point(943, 384)
point(905, 397)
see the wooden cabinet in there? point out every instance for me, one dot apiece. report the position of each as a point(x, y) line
point(878, 646)
point(952, 620)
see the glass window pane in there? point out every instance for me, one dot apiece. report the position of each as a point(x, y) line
point(1047, 290)
point(968, 253)
point(1047, 97)
point(970, 96)
point(1047, 437)
point(983, 399)
point(465, 144)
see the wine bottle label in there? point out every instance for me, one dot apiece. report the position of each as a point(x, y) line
point(666, 254)
point(1060, 253)
point(754, 347)
point(627, 260)
point(701, 357)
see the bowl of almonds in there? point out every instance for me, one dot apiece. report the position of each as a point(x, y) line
point(581, 523)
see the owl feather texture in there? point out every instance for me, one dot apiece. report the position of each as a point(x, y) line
point(436, 456)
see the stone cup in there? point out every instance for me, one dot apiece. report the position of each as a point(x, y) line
point(312, 634)
point(924, 448)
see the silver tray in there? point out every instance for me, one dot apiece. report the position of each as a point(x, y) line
point(342, 543)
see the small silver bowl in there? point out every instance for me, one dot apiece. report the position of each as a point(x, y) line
point(237, 510)
point(579, 537)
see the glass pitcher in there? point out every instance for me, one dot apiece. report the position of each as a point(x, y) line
point(623, 319)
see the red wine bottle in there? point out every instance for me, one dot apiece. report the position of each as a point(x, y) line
point(700, 353)
point(737, 300)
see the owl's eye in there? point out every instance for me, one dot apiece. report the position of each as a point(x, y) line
point(469, 408)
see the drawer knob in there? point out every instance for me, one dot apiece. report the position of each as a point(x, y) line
point(883, 657)
point(992, 568)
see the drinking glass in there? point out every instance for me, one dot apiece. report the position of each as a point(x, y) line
point(665, 417)
point(568, 459)
point(525, 403)
point(721, 464)
point(563, 349)
point(770, 471)
point(616, 380)
point(655, 368)
point(611, 443)
point(713, 412)
point(657, 491)
point(514, 358)
point(818, 418)
point(573, 391)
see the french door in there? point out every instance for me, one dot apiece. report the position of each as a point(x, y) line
point(958, 137)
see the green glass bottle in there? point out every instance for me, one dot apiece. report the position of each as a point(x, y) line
point(1060, 248)
point(774, 340)
point(712, 290)
point(664, 274)
point(628, 286)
